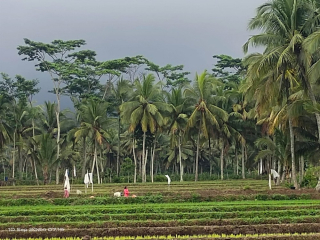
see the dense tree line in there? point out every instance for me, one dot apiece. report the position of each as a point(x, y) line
point(135, 119)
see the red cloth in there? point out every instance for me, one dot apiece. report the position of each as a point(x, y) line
point(126, 192)
point(66, 193)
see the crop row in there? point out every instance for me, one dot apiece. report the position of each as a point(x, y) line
point(161, 223)
point(70, 217)
point(151, 209)
point(233, 205)
point(146, 199)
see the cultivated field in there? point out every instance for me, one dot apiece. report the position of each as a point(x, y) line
point(241, 209)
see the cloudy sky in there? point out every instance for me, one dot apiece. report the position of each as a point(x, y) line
point(187, 32)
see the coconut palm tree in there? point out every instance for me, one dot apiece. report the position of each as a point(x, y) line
point(44, 151)
point(267, 80)
point(145, 111)
point(49, 125)
point(94, 124)
point(291, 39)
point(224, 97)
point(121, 92)
point(20, 132)
point(129, 146)
point(277, 148)
point(4, 125)
point(178, 122)
point(206, 116)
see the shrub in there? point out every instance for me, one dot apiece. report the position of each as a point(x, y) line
point(279, 197)
point(262, 197)
point(310, 179)
point(305, 196)
point(196, 197)
point(160, 178)
point(289, 185)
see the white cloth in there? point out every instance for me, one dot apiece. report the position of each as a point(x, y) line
point(86, 179)
point(66, 181)
point(117, 194)
point(274, 173)
point(169, 180)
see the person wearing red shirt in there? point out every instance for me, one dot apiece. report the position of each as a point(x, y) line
point(126, 192)
point(66, 193)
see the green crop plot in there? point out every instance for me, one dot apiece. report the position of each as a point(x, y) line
point(176, 212)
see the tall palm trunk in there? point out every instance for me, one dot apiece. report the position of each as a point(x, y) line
point(93, 163)
point(135, 162)
point(45, 175)
point(279, 171)
point(101, 165)
point(34, 161)
point(14, 143)
point(237, 161)
point(145, 167)
point(153, 152)
point(57, 173)
point(180, 160)
point(118, 154)
point(21, 162)
point(26, 167)
point(242, 163)
point(84, 164)
point(293, 171)
point(197, 157)
point(94, 159)
point(14, 153)
point(140, 166)
point(57, 110)
point(221, 159)
point(143, 155)
point(301, 169)
point(97, 164)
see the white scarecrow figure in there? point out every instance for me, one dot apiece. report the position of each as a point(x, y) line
point(86, 179)
point(169, 180)
point(67, 182)
point(275, 175)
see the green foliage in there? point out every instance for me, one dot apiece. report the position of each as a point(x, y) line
point(173, 75)
point(160, 178)
point(127, 167)
point(228, 69)
point(311, 177)
point(262, 197)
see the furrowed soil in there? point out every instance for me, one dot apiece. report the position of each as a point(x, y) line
point(160, 231)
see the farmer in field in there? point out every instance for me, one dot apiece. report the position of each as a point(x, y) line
point(66, 193)
point(126, 192)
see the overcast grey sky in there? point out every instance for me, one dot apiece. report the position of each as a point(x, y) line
point(187, 32)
